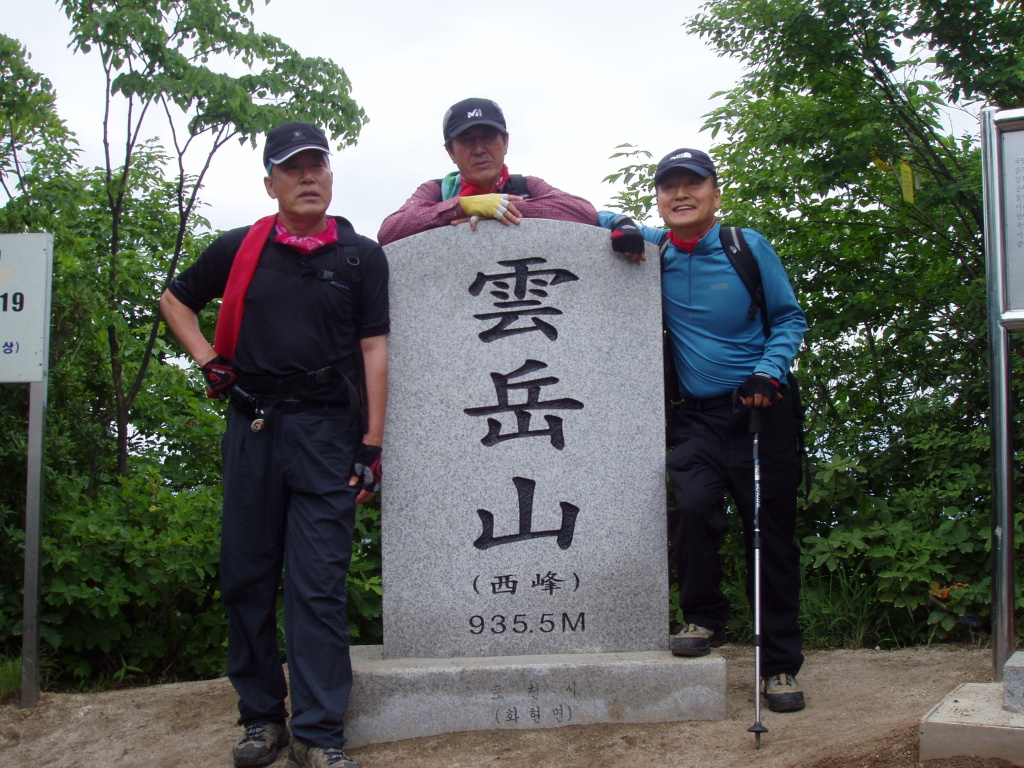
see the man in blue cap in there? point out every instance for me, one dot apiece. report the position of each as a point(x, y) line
point(732, 355)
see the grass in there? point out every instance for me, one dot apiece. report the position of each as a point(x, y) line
point(838, 609)
point(10, 677)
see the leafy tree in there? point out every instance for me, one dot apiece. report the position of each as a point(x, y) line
point(838, 146)
point(131, 530)
point(159, 58)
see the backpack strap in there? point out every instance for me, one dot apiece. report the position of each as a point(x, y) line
point(750, 273)
point(347, 272)
point(743, 261)
point(516, 185)
point(351, 269)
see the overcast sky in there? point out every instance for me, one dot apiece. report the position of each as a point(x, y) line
point(575, 79)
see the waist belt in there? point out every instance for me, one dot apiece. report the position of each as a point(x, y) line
point(255, 406)
point(707, 403)
point(277, 385)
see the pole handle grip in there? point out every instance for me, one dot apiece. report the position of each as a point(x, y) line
point(755, 421)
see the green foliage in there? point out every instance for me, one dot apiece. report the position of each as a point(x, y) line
point(132, 517)
point(37, 146)
point(172, 52)
point(836, 146)
point(174, 61)
point(365, 589)
point(141, 555)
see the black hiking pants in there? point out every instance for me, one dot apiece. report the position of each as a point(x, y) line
point(713, 455)
point(288, 507)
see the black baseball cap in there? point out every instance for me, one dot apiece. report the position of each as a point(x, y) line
point(470, 112)
point(292, 138)
point(687, 159)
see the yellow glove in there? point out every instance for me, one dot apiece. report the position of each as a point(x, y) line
point(487, 206)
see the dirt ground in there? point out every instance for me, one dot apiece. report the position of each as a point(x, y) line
point(863, 711)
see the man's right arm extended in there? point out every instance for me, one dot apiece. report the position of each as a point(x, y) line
point(184, 324)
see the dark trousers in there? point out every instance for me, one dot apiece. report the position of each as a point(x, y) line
point(287, 505)
point(714, 455)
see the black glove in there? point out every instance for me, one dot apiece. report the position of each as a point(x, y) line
point(760, 383)
point(367, 467)
point(626, 237)
point(220, 377)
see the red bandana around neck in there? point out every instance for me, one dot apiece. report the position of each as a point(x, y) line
point(687, 246)
point(309, 243)
point(469, 188)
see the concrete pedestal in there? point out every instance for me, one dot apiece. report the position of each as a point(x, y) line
point(404, 698)
point(973, 721)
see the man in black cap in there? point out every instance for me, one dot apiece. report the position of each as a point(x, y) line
point(300, 352)
point(731, 355)
point(476, 139)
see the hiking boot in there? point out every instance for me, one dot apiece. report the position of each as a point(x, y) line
point(783, 693)
point(304, 756)
point(696, 641)
point(259, 744)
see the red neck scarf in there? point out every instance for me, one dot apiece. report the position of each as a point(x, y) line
point(306, 245)
point(229, 319)
point(687, 246)
point(472, 189)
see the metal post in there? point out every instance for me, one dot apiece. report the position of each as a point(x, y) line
point(33, 518)
point(1002, 453)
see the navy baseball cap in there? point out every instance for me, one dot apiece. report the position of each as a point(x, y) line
point(290, 139)
point(687, 159)
point(470, 112)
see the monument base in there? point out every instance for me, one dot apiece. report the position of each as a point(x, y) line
point(395, 699)
point(973, 721)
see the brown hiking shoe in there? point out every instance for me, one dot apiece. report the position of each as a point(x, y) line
point(694, 640)
point(783, 693)
point(259, 744)
point(303, 755)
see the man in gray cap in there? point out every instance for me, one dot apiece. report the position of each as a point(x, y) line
point(731, 348)
point(300, 353)
point(476, 139)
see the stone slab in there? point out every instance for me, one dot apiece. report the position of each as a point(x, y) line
point(972, 721)
point(523, 506)
point(395, 699)
point(1013, 682)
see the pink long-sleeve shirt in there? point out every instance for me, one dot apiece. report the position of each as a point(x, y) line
point(426, 210)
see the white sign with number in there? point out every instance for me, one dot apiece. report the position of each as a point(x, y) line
point(26, 262)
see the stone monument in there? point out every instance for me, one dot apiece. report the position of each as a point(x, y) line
point(523, 507)
point(524, 510)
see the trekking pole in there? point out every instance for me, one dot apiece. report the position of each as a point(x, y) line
point(757, 728)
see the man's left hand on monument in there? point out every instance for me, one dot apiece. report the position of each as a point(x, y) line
point(627, 240)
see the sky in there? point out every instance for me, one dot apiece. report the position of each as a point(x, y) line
point(574, 79)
